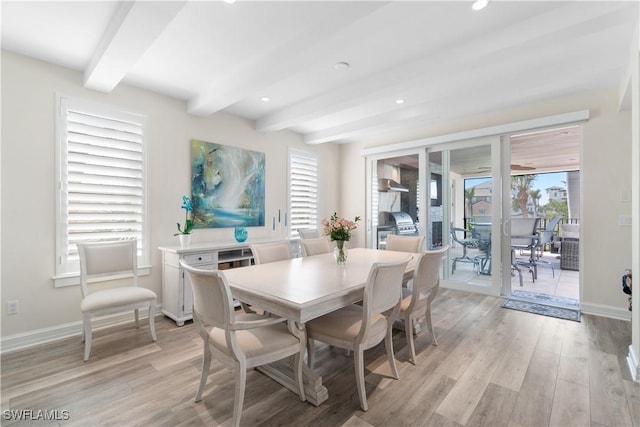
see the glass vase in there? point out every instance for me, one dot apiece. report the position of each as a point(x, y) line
point(340, 252)
point(240, 234)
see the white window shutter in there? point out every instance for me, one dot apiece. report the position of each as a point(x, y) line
point(303, 191)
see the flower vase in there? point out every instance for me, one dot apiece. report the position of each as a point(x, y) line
point(340, 253)
point(185, 240)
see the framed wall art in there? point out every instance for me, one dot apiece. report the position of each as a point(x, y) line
point(227, 186)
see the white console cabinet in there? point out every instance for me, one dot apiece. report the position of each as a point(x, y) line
point(177, 297)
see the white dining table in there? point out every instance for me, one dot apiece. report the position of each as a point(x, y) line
point(301, 289)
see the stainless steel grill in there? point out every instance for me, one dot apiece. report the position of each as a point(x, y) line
point(397, 222)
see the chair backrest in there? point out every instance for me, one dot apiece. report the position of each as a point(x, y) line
point(459, 235)
point(107, 258)
point(315, 246)
point(271, 252)
point(524, 231)
point(426, 275)
point(307, 233)
point(212, 300)
point(549, 230)
point(398, 243)
point(383, 289)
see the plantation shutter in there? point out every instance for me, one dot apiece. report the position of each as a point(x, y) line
point(102, 179)
point(303, 191)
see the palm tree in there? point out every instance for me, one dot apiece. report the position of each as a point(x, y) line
point(535, 196)
point(522, 184)
point(469, 194)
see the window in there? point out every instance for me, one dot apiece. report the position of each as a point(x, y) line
point(303, 191)
point(100, 172)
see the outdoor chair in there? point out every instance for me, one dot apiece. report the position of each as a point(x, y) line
point(459, 235)
point(524, 237)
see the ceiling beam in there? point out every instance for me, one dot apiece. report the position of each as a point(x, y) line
point(133, 28)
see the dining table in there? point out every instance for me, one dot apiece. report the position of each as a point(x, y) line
point(301, 289)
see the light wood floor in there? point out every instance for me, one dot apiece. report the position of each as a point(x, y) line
point(492, 367)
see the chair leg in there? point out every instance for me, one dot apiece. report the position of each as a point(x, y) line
point(152, 320)
point(408, 329)
point(86, 332)
point(206, 363)
point(434, 341)
point(358, 358)
point(135, 313)
point(388, 345)
point(241, 381)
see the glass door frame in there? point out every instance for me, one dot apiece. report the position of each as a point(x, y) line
point(497, 249)
point(371, 180)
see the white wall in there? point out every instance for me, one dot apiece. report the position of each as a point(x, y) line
point(606, 173)
point(28, 190)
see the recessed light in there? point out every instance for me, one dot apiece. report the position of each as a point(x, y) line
point(479, 4)
point(341, 65)
point(265, 99)
point(399, 101)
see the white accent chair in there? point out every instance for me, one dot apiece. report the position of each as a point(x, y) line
point(315, 246)
point(361, 327)
point(416, 302)
point(398, 243)
point(110, 259)
point(239, 341)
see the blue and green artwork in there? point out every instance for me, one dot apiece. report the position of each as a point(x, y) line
point(227, 186)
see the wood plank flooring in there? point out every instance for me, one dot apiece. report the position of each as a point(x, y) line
point(492, 367)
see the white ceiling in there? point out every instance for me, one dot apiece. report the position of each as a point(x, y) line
point(445, 60)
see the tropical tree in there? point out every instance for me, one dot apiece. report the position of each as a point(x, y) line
point(521, 184)
point(556, 208)
point(469, 194)
point(535, 196)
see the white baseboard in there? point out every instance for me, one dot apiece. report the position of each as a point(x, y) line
point(634, 364)
point(605, 311)
point(42, 336)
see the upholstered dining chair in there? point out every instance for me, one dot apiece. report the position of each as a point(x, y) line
point(268, 252)
point(361, 327)
point(412, 244)
point(271, 252)
point(416, 302)
point(315, 246)
point(101, 260)
point(398, 243)
point(308, 233)
point(239, 341)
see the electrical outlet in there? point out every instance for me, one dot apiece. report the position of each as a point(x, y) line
point(13, 307)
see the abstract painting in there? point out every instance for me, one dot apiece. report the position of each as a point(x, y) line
point(227, 186)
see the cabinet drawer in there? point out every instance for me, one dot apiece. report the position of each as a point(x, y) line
point(201, 258)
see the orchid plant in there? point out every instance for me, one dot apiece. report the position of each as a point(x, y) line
point(187, 205)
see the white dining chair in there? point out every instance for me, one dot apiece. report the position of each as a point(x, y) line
point(411, 244)
point(315, 246)
point(268, 252)
point(399, 243)
point(237, 340)
point(361, 327)
point(308, 233)
point(101, 260)
point(416, 302)
point(271, 252)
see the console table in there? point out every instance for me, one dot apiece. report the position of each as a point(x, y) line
point(177, 297)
